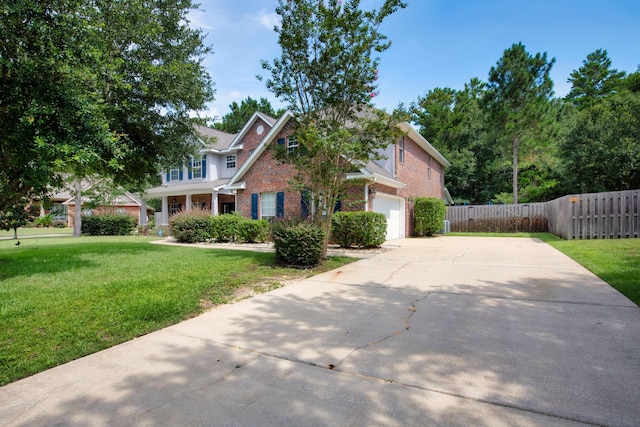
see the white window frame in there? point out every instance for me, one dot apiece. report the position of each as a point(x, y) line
point(174, 174)
point(292, 144)
point(268, 205)
point(174, 207)
point(401, 150)
point(231, 161)
point(196, 168)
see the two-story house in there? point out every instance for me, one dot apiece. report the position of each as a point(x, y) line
point(239, 173)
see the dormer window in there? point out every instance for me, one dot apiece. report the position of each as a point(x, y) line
point(174, 174)
point(231, 161)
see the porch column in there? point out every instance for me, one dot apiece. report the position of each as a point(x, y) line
point(143, 212)
point(165, 211)
point(188, 202)
point(214, 203)
point(366, 197)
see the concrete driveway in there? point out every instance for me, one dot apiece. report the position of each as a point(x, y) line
point(442, 331)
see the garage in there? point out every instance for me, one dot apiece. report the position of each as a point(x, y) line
point(393, 209)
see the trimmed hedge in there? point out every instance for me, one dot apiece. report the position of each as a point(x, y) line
point(429, 214)
point(297, 245)
point(253, 230)
point(191, 227)
point(361, 229)
point(224, 228)
point(108, 225)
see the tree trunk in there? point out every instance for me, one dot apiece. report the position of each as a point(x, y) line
point(77, 216)
point(15, 233)
point(515, 170)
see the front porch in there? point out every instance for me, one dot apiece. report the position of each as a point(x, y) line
point(202, 196)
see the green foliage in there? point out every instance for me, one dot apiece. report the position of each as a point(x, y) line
point(44, 221)
point(116, 82)
point(594, 80)
point(298, 245)
point(253, 230)
point(601, 149)
point(224, 228)
point(429, 214)
point(18, 215)
point(108, 225)
point(191, 227)
point(360, 229)
point(327, 76)
point(235, 120)
point(518, 97)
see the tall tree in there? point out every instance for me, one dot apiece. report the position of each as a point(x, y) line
point(518, 95)
point(327, 76)
point(454, 122)
point(601, 149)
point(18, 216)
point(240, 114)
point(115, 84)
point(594, 80)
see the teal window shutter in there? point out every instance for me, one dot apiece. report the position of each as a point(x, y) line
point(254, 206)
point(168, 176)
point(280, 204)
point(190, 175)
point(181, 175)
point(280, 141)
point(204, 166)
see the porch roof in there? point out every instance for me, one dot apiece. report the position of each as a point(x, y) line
point(191, 188)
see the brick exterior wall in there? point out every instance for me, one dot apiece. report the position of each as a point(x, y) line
point(267, 175)
point(423, 175)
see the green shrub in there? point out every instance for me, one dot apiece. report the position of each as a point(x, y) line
point(429, 214)
point(297, 244)
point(59, 224)
point(108, 225)
point(253, 230)
point(361, 229)
point(224, 228)
point(191, 226)
point(44, 221)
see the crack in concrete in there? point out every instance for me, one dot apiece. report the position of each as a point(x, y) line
point(394, 273)
point(407, 325)
point(336, 368)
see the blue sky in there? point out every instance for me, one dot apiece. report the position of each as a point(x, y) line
point(436, 43)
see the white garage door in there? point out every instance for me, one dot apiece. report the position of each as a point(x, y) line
point(393, 209)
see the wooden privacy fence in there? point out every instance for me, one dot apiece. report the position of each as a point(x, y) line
point(611, 215)
point(529, 217)
point(614, 215)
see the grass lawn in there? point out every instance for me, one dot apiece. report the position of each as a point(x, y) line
point(28, 232)
point(63, 298)
point(616, 261)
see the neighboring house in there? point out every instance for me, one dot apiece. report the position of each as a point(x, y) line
point(62, 206)
point(239, 173)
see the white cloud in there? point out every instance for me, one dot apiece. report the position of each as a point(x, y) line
point(268, 19)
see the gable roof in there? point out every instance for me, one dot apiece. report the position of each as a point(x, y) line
point(424, 144)
point(125, 199)
point(214, 139)
point(369, 170)
point(270, 121)
point(234, 182)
